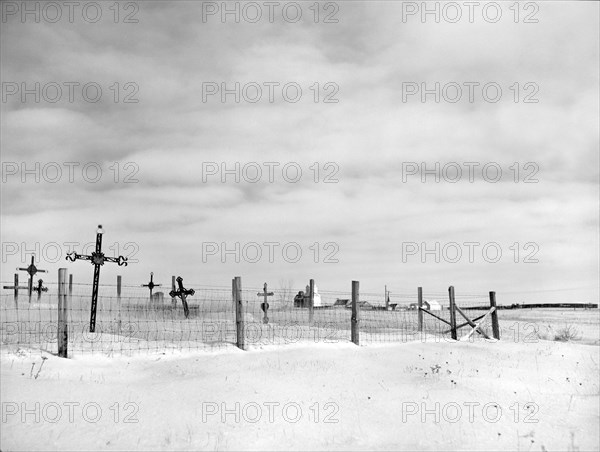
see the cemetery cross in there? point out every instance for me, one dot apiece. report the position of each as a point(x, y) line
point(32, 270)
point(182, 293)
point(97, 259)
point(151, 284)
point(40, 288)
point(16, 287)
point(264, 305)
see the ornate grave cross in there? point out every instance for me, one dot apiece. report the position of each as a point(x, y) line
point(40, 288)
point(151, 284)
point(182, 293)
point(32, 270)
point(97, 258)
point(16, 287)
point(264, 305)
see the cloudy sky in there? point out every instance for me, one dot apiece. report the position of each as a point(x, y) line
point(160, 135)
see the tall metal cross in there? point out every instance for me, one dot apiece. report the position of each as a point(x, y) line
point(264, 305)
point(40, 288)
point(32, 270)
point(151, 284)
point(97, 259)
point(182, 293)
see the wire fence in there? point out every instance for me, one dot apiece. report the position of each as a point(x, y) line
point(133, 322)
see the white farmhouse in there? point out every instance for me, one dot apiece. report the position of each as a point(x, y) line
point(432, 305)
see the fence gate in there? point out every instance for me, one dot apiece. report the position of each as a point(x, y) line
point(475, 327)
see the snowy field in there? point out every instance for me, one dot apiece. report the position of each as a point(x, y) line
point(531, 324)
point(427, 395)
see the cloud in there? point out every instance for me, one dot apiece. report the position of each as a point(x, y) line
point(165, 139)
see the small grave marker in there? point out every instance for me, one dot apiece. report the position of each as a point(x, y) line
point(15, 286)
point(151, 284)
point(182, 293)
point(265, 305)
point(32, 270)
point(40, 288)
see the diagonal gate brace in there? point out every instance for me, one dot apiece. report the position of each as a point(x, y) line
point(476, 326)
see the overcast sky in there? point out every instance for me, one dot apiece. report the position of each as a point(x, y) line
point(367, 141)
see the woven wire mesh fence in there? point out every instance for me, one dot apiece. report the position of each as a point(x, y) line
point(397, 318)
point(133, 322)
point(287, 322)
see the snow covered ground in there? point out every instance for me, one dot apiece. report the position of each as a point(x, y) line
point(433, 395)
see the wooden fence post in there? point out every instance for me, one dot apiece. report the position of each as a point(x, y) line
point(118, 286)
point(118, 304)
point(311, 301)
point(233, 292)
point(62, 333)
point(71, 285)
point(354, 330)
point(452, 313)
point(16, 286)
point(387, 300)
point(239, 312)
point(173, 289)
point(420, 306)
point(495, 325)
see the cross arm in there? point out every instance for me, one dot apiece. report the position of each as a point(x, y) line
point(73, 256)
point(119, 260)
point(178, 293)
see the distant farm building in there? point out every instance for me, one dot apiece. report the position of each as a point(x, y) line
point(429, 305)
point(302, 299)
point(432, 305)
